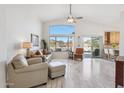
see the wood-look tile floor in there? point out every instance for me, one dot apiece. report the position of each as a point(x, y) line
point(89, 73)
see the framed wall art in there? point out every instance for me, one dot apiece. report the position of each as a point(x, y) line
point(35, 40)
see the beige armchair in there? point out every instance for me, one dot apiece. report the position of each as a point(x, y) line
point(32, 74)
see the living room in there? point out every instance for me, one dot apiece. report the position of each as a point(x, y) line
point(25, 28)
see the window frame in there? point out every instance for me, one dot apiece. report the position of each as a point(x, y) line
point(62, 35)
point(68, 37)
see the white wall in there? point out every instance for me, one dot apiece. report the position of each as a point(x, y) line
point(20, 23)
point(88, 28)
point(82, 28)
point(16, 25)
point(2, 48)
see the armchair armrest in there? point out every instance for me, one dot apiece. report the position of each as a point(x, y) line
point(34, 61)
point(33, 67)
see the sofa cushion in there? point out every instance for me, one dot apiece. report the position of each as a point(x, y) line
point(33, 67)
point(34, 61)
point(19, 61)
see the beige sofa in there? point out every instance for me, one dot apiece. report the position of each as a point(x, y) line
point(22, 74)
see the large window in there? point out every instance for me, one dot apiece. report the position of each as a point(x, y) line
point(61, 37)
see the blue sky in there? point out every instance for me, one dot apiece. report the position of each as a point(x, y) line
point(61, 29)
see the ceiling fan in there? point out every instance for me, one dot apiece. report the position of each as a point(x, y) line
point(71, 18)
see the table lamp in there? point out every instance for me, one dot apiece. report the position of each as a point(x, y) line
point(27, 45)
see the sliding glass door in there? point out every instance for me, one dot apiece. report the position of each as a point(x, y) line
point(92, 46)
point(96, 46)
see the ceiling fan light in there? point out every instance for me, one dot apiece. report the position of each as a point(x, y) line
point(70, 19)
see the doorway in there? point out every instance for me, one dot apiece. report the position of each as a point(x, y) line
point(92, 46)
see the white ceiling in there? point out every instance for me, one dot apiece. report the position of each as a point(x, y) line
point(106, 14)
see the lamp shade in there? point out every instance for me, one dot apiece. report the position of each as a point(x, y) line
point(27, 45)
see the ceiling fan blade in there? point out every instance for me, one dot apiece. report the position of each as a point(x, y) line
point(79, 17)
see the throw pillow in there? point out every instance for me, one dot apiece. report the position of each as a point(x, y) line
point(45, 52)
point(32, 53)
point(39, 53)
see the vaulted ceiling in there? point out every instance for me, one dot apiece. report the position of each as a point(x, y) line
point(106, 14)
